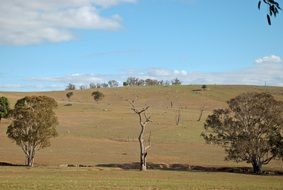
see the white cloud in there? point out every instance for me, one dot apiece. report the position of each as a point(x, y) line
point(268, 69)
point(268, 59)
point(35, 21)
point(77, 78)
point(108, 3)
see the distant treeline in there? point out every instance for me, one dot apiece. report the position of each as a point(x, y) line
point(131, 81)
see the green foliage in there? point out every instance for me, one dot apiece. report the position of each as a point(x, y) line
point(274, 8)
point(34, 123)
point(4, 107)
point(250, 130)
point(97, 95)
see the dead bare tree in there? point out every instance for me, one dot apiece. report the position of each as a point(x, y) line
point(178, 116)
point(201, 112)
point(144, 119)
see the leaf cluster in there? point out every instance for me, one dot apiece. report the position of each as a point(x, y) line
point(274, 8)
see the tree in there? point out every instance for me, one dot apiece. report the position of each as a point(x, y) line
point(132, 81)
point(273, 8)
point(92, 85)
point(71, 87)
point(4, 107)
point(203, 87)
point(176, 81)
point(104, 85)
point(83, 87)
point(113, 83)
point(34, 123)
point(69, 95)
point(125, 84)
point(144, 119)
point(250, 129)
point(97, 95)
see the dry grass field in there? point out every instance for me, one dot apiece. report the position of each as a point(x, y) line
point(93, 133)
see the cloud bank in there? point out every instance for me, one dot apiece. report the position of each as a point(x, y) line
point(36, 21)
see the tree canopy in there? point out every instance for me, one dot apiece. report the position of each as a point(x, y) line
point(4, 107)
point(250, 129)
point(97, 95)
point(34, 123)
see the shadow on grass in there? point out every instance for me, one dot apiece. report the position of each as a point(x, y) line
point(187, 167)
point(9, 164)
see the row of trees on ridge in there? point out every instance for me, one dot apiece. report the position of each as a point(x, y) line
point(131, 81)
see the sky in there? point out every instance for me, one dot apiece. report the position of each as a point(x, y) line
point(46, 44)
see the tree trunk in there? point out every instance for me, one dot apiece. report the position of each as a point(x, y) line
point(30, 158)
point(257, 166)
point(178, 117)
point(143, 152)
point(200, 115)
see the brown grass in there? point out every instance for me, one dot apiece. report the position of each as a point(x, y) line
point(91, 133)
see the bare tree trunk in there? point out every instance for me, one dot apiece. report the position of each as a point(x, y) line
point(178, 117)
point(143, 120)
point(143, 150)
point(200, 115)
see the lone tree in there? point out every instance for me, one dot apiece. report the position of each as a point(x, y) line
point(203, 87)
point(71, 87)
point(250, 129)
point(34, 123)
point(97, 96)
point(113, 83)
point(4, 107)
point(273, 9)
point(144, 119)
point(69, 95)
point(176, 81)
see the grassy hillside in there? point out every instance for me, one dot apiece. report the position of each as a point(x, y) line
point(91, 133)
point(106, 134)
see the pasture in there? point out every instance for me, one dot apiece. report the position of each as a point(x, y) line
point(105, 133)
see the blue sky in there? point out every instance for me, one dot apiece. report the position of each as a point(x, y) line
point(44, 45)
